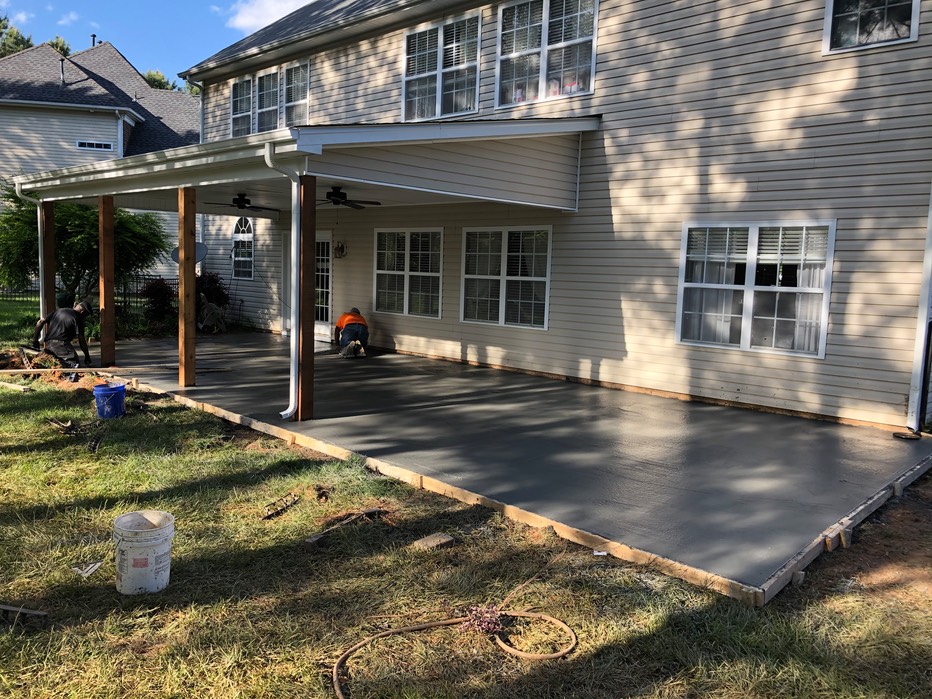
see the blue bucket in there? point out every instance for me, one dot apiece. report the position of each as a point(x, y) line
point(111, 400)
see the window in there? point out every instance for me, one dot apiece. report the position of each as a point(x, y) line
point(545, 49)
point(267, 102)
point(757, 287)
point(94, 145)
point(241, 108)
point(296, 78)
point(441, 70)
point(852, 24)
point(506, 276)
point(407, 272)
point(243, 240)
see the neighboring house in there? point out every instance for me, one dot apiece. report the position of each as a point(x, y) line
point(737, 208)
point(91, 106)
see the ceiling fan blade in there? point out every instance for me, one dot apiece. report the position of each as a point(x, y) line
point(352, 204)
point(219, 203)
point(261, 208)
point(367, 203)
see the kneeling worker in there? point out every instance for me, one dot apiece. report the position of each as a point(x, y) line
point(61, 327)
point(352, 334)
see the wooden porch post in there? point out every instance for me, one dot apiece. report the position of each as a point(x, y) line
point(47, 303)
point(186, 301)
point(307, 282)
point(107, 296)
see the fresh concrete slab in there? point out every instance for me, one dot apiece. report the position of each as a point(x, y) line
point(733, 492)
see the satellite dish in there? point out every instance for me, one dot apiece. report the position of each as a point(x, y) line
point(200, 252)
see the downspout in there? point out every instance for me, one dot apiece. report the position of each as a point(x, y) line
point(43, 311)
point(920, 369)
point(295, 272)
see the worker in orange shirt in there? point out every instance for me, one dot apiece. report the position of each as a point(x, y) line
point(352, 334)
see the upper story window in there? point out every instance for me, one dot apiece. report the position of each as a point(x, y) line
point(407, 271)
point(243, 241)
point(442, 70)
point(853, 24)
point(93, 145)
point(756, 287)
point(269, 100)
point(296, 78)
point(545, 49)
point(506, 276)
point(241, 108)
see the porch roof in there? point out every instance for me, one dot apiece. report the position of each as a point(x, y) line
point(533, 162)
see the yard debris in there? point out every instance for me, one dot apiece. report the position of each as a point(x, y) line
point(434, 541)
point(312, 541)
point(20, 616)
point(275, 508)
point(323, 492)
point(85, 570)
point(94, 444)
point(15, 387)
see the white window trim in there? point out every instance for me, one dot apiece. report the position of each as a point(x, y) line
point(827, 32)
point(505, 278)
point(284, 94)
point(278, 73)
point(543, 54)
point(753, 227)
point(440, 70)
point(407, 273)
point(97, 146)
point(252, 106)
point(251, 237)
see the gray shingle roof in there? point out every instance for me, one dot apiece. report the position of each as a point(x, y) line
point(102, 77)
point(314, 19)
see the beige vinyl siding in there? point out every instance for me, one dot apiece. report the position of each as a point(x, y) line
point(44, 139)
point(253, 302)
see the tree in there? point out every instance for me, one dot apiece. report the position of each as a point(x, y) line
point(157, 79)
point(139, 240)
point(60, 45)
point(12, 39)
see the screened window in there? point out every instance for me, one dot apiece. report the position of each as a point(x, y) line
point(241, 108)
point(506, 276)
point(267, 102)
point(441, 70)
point(857, 23)
point(545, 49)
point(243, 248)
point(296, 78)
point(757, 287)
point(408, 272)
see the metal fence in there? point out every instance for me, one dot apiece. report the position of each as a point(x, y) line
point(128, 293)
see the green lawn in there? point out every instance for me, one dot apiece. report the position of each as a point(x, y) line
point(17, 320)
point(249, 612)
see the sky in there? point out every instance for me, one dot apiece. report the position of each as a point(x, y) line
point(168, 35)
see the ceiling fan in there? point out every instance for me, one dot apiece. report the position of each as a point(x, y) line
point(338, 197)
point(241, 202)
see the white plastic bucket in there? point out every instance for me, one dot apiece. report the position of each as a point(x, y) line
point(143, 551)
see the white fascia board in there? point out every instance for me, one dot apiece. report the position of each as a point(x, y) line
point(71, 107)
point(313, 139)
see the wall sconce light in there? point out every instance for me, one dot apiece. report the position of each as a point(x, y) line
point(339, 249)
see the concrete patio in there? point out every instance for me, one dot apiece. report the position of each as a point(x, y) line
point(734, 499)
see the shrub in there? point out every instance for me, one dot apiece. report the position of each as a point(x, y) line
point(159, 298)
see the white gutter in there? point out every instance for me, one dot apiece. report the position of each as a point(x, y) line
point(920, 351)
point(43, 309)
point(295, 272)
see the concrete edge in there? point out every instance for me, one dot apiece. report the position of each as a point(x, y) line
point(747, 594)
point(839, 534)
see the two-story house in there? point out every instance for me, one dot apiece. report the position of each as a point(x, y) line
point(721, 201)
point(93, 105)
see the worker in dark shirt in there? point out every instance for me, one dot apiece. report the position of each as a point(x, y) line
point(61, 328)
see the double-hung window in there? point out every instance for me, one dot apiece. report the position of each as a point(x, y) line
point(408, 271)
point(442, 70)
point(853, 24)
point(756, 287)
point(243, 241)
point(267, 102)
point(296, 78)
point(506, 276)
point(241, 108)
point(545, 49)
